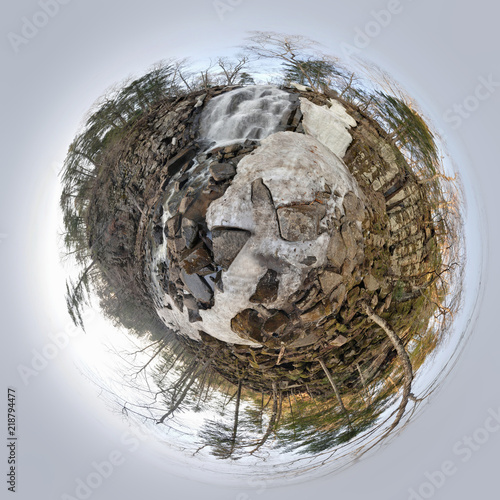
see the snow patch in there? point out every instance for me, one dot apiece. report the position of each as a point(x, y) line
point(329, 125)
point(294, 167)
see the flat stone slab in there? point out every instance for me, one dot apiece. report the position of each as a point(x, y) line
point(267, 288)
point(197, 286)
point(198, 259)
point(248, 324)
point(299, 223)
point(329, 281)
point(227, 244)
point(276, 323)
point(222, 171)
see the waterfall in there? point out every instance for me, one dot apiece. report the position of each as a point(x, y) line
point(252, 112)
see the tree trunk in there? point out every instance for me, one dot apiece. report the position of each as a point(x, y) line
point(336, 389)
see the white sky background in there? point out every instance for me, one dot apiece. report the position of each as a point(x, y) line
point(49, 86)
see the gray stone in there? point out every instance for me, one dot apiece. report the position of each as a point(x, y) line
point(329, 281)
point(310, 339)
point(371, 283)
point(185, 202)
point(180, 160)
point(267, 288)
point(276, 324)
point(189, 230)
point(315, 314)
point(310, 298)
point(158, 235)
point(260, 193)
point(339, 294)
point(176, 245)
point(173, 226)
point(222, 171)
point(190, 302)
point(197, 286)
point(196, 260)
point(227, 244)
point(248, 325)
point(339, 341)
point(300, 222)
point(309, 261)
point(336, 252)
point(194, 315)
point(353, 238)
point(354, 208)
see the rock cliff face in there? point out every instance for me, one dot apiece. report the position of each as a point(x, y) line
point(260, 251)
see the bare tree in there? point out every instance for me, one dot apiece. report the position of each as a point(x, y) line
point(403, 356)
point(290, 49)
point(232, 69)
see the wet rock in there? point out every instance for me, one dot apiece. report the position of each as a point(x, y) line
point(248, 324)
point(232, 148)
point(329, 281)
point(198, 209)
point(222, 171)
point(267, 288)
point(354, 208)
point(176, 245)
point(185, 203)
point(196, 260)
point(158, 235)
point(180, 160)
point(227, 244)
point(337, 251)
point(197, 286)
point(300, 222)
point(276, 324)
point(189, 231)
point(173, 226)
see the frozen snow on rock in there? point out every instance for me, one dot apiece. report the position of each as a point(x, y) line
point(294, 167)
point(252, 112)
point(329, 125)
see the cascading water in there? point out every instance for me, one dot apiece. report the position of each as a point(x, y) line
point(253, 112)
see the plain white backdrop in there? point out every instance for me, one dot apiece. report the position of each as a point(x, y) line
point(55, 65)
